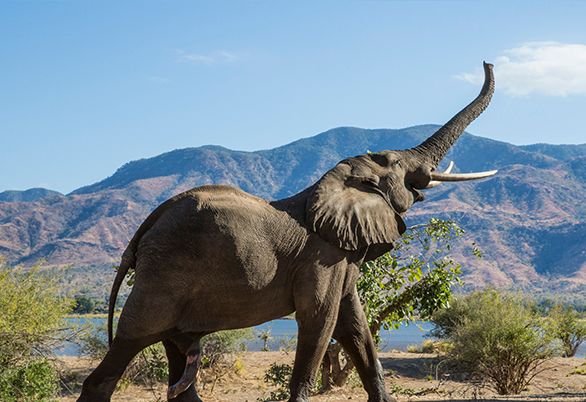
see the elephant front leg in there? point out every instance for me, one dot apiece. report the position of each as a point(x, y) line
point(353, 333)
point(316, 314)
point(314, 335)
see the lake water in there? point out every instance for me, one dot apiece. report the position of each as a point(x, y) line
point(284, 331)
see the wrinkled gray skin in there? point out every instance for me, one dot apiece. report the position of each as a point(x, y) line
point(216, 258)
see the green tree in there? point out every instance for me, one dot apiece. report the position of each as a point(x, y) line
point(563, 323)
point(496, 338)
point(83, 305)
point(31, 313)
point(412, 281)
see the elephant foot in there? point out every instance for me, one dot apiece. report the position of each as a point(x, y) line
point(176, 389)
point(187, 379)
point(187, 396)
point(386, 398)
point(177, 393)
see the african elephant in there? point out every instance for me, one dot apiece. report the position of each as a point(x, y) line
point(216, 258)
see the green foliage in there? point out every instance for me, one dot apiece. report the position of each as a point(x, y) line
point(278, 375)
point(83, 305)
point(430, 346)
point(33, 381)
point(447, 320)
point(495, 337)
point(416, 277)
point(31, 312)
point(396, 389)
point(93, 341)
point(413, 348)
point(563, 323)
point(149, 367)
point(580, 370)
point(218, 345)
point(218, 355)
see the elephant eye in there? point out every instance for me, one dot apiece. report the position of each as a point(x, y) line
point(396, 163)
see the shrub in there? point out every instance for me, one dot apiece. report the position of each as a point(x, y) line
point(430, 346)
point(564, 324)
point(580, 370)
point(278, 375)
point(83, 305)
point(496, 337)
point(33, 381)
point(447, 320)
point(216, 346)
point(218, 358)
point(414, 348)
point(31, 312)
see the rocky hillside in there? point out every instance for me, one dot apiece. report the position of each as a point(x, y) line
point(529, 220)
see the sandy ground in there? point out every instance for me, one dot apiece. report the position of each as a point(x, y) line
point(410, 377)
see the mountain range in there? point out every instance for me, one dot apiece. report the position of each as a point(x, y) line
point(528, 220)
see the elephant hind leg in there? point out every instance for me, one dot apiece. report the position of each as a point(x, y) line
point(190, 360)
point(100, 384)
point(353, 333)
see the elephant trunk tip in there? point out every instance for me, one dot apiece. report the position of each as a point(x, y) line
point(435, 147)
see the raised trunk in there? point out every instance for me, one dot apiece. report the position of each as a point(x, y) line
point(435, 147)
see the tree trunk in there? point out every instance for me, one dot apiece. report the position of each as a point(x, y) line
point(336, 368)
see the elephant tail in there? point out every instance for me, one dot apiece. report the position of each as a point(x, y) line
point(128, 261)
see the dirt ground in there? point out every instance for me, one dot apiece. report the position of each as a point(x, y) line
point(408, 376)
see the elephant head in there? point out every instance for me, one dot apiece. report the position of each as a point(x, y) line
point(360, 202)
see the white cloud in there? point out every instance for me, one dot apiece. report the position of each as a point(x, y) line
point(219, 56)
point(546, 68)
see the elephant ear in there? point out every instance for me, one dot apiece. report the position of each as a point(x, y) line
point(348, 209)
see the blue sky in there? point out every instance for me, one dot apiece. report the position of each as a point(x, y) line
point(87, 86)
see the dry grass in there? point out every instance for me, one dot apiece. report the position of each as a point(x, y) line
point(409, 376)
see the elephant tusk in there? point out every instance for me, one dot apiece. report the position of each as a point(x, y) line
point(461, 176)
point(435, 183)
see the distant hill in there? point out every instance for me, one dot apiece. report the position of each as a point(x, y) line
point(32, 194)
point(529, 220)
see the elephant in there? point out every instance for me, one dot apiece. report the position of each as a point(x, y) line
point(216, 258)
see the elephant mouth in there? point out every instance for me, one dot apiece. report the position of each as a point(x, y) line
point(418, 196)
